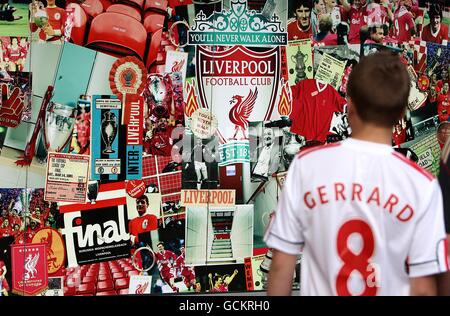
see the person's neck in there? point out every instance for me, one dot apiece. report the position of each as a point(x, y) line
point(374, 134)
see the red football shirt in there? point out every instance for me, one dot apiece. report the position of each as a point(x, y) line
point(330, 39)
point(6, 232)
point(57, 20)
point(399, 138)
point(356, 18)
point(164, 261)
point(438, 37)
point(296, 33)
point(142, 224)
point(313, 106)
point(403, 24)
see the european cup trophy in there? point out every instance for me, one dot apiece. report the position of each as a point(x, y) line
point(109, 131)
point(38, 14)
point(58, 127)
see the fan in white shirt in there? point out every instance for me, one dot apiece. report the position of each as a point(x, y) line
point(368, 221)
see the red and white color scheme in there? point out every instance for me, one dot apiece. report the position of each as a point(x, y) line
point(247, 83)
point(29, 276)
point(403, 24)
point(56, 20)
point(313, 106)
point(369, 221)
point(166, 264)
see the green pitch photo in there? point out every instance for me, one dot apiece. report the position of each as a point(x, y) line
point(19, 26)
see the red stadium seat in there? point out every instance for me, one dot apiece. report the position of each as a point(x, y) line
point(89, 279)
point(92, 7)
point(105, 286)
point(121, 284)
point(123, 292)
point(88, 288)
point(133, 272)
point(118, 275)
point(155, 44)
point(159, 6)
point(127, 10)
point(139, 4)
point(118, 35)
point(115, 270)
point(104, 277)
point(108, 293)
point(104, 270)
point(153, 22)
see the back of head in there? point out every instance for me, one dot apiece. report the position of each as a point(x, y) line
point(325, 23)
point(378, 88)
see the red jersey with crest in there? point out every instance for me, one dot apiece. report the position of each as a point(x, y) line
point(438, 37)
point(313, 106)
point(403, 24)
point(56, 19)
point(142, 224)
point(160, 144)
point(356, 18)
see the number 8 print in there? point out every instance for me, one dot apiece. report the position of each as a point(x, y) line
point(359, 262)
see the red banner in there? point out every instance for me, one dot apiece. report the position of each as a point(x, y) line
point(248, 274)
point(29, 272)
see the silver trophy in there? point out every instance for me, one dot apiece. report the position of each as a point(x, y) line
point(109, 131)
point(58, 127)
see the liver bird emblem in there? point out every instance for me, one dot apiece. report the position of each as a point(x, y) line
point(241, 111)
point(178, 65)
point(51, 259)
point(30, 266)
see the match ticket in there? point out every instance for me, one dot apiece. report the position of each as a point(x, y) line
point(67, 177)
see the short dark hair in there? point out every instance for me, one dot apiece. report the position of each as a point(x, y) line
point(160, 243)
point(306, 3)
point(143, 197)
point(435, 10)
point(379, 88)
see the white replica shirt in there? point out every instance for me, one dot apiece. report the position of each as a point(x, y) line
point(366, 219)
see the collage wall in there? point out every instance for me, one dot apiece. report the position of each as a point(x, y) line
point(144, 143)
